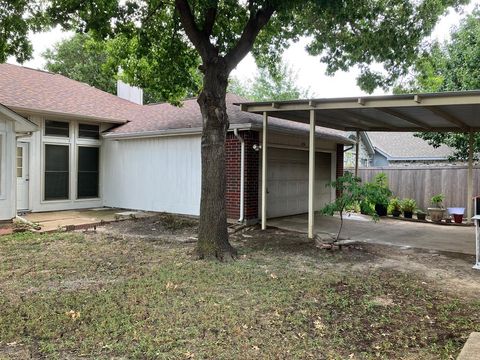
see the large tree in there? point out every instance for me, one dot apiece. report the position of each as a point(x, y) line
point(449, 66)
point(281, 85)
point(158, 44)
point(82, 58)
point(87, 59)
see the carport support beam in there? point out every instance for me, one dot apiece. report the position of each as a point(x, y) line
point(470, 177)
point(357, 150)
point(311, 175)
point(264, 171)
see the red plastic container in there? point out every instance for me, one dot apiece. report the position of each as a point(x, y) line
point(458, 218)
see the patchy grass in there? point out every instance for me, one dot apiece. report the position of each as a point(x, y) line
point(70, 295)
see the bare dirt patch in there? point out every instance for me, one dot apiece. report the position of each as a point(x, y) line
point(165, 227)
point(126, 292)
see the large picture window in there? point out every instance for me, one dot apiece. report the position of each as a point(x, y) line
point(87, 172)
point(56, 172)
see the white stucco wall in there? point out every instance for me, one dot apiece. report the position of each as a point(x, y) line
point(154, 174)
point(7, 169)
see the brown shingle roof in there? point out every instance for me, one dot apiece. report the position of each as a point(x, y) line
point(403, 145)
point(23, 88)
point(164, 116)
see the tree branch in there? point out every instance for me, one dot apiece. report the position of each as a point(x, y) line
point(198, 38)
point(209, 21)
point(255, 23)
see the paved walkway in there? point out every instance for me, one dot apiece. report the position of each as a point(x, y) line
point(459, 239)
point(55, 220)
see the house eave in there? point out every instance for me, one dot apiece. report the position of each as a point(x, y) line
point(22, 125)
point(166, 132)
point(58, 114)
point(417, 158)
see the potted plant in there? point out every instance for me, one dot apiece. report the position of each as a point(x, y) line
point(457, 213)
point(437, 212)
point(408, 207)
point(395, 207)
point(421, 215)
point(379, 194)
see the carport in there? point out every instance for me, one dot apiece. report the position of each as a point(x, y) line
point(437, 112)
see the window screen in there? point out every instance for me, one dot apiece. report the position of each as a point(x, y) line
point(87, 172)
point(88, 131)
point(56, 172)
point(57, 128)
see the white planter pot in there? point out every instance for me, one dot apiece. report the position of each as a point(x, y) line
point(436, 214)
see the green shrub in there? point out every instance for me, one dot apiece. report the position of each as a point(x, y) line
point(409, 205)
point(437, 200)
point(377, 191)
point(394, 205)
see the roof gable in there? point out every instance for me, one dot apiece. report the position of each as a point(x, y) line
point(21, 124)
point(406, 146)
point(30, 90)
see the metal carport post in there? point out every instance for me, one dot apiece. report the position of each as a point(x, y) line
point(311, 175)
point(264, 170)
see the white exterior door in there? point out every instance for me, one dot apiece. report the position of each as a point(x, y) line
point(22, 176)
point(287, 181)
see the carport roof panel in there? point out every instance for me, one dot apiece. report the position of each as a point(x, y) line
point(447, 111)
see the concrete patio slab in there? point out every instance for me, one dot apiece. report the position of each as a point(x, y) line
point(458, 239)
point(471, 350)
point(55, 220)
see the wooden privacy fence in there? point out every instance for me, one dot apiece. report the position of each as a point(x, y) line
point(421, 183)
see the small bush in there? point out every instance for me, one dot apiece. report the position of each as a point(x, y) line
point(437, 200)
point(409, 205)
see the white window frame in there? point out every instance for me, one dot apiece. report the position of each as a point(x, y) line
point(57, 137)
point(69, 198)
point(99, 170)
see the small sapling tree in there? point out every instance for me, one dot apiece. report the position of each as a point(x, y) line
point(350, 192)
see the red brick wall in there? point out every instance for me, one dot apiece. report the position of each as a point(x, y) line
point(339, 161)
point(233, 152)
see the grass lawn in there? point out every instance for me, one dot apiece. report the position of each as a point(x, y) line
point(71, 295)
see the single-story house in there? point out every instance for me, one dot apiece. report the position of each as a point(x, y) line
point(383, 149)
point(67, 145)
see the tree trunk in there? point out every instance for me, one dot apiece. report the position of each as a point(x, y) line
point(213, 233)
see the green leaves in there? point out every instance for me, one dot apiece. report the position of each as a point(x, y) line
point(151, 45)
point(82, 58)
point(14, 26)
point(452, 66)
point(267, 86)
point(350, 192)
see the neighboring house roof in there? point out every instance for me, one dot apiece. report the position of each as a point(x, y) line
point(158, 118)
point(28, 90)
point(25, 89)
point(405, 146)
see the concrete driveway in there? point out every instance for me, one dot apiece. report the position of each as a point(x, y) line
point(459, 239)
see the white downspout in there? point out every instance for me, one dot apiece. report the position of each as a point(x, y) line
point(242, 174)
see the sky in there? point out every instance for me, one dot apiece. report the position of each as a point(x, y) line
point(310, 72)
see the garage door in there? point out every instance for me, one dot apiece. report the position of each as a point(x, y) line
point(287, 181)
